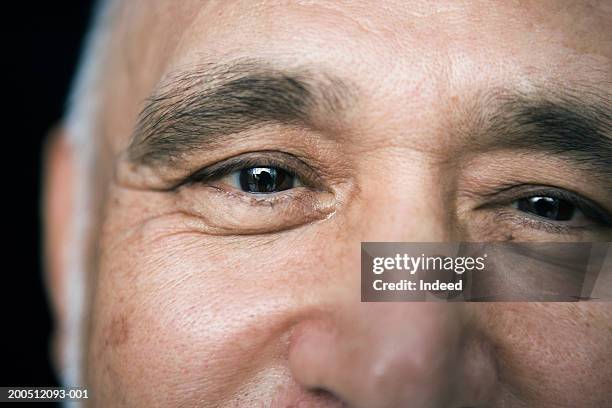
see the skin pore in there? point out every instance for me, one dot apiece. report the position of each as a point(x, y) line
point(389, 121)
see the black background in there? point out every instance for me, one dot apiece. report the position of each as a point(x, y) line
point(42, 41)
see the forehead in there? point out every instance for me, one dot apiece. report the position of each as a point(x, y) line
point(399, 26)
point(390, 48)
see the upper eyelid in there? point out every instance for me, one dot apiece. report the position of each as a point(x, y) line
point(284, 161)
point(516, 192)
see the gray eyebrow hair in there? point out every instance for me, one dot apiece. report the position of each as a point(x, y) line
point(193, 107)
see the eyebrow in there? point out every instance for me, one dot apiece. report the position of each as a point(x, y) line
point(573, 122)
point(193, 108)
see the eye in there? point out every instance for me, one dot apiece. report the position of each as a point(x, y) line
point(264, 172)
point(562, 207)
point(258, 192)
point(551, 208)
point(262, 180)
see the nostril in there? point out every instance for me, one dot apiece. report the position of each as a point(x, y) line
point(328, 398)
point(323, 392)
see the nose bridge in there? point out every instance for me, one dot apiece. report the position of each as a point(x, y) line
point(409, 216)
point(381, 355)
point(404, 196)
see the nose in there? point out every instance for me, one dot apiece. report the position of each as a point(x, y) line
point(380, 355)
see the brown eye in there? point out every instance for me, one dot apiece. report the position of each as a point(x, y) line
point(260, 180)
point(551, 208)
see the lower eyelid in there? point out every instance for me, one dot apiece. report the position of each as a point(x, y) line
point(273, 198)
point(525, 220)
point(226, 212)
point(264, 199)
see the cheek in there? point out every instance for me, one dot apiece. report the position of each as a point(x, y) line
point(553, 352)
point(195, 314)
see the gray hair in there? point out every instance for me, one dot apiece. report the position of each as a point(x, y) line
point(82, 123)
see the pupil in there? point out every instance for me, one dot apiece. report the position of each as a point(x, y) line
point(264, 180)
point(548, 207)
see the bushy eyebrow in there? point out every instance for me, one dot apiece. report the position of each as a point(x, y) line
point(575, 122)
point(193, 108)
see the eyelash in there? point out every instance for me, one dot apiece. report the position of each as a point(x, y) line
point(283, 161)
point(587, 207)
point(504, 196)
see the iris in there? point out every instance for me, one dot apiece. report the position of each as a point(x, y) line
point(265, 180)
point(547, 207)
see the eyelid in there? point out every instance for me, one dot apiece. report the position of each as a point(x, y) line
point(588, 207)
point(226, 210)
point(289, 163)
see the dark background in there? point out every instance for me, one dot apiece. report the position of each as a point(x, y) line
point(42, 41)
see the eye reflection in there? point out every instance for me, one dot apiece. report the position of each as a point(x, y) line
point(262, 180)
point(551, 208)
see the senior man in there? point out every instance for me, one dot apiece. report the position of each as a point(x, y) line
point(221, 162)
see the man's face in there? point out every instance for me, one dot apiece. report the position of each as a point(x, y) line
point(278, 135)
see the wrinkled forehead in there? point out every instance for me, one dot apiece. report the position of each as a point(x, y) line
point(385, 47)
